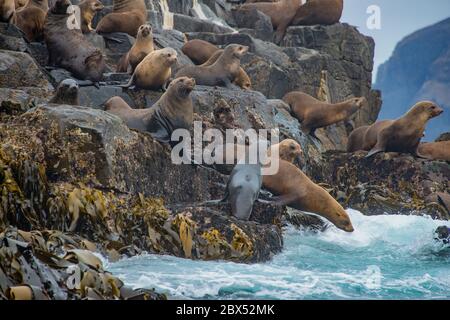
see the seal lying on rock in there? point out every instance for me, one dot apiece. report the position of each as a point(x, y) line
point(294, 189)
point(31, 20)
point(222, 72)
point(243, 188)
point(204, 53)
point(140, 49)
point(7, 11)
point(88, 10)
point(314, 114)
point(435, 150)
point(68, 48)
point(402, 135)
point(67, 93)
point(324, 12)
point(155, 70)
point(356, 139)
point(174, 110)
point(127, 17)
point(281, 14)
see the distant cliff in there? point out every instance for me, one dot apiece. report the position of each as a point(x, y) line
point(419, 69)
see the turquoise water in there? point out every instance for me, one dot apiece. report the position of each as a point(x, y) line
point(387, 257)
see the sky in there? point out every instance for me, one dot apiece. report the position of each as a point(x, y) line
point(398, 18)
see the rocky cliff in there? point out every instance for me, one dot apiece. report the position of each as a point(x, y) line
point(92, 184)
point(419, 70)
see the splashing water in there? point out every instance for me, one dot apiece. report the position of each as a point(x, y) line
point(387, 257)
point(167, 15)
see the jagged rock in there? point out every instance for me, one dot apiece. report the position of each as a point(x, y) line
point(444, 137)
point(254, 23)
point(389, 183)
point(15, 102)
point(19, 70)
point(190, 24)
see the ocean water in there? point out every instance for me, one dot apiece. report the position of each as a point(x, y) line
point(387, 257)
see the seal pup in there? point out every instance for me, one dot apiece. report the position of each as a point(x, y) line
point(435, 150)
point(222, 72)
point(314, 114)
point(68, 48)
point(280, 13)
point(324, 12)
point(174, 110)
point(8, 11)
point(293, 188)
point(356, 139)
point(154, 71)
point(127, 17)
point(243, 188)
point(140, 49)
point(67, 92)
point(88, 10)
point(404, 134)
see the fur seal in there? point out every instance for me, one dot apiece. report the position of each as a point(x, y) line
point(41, 4)
point(243, 188)
point(435, 150)
point(204, 53)
point(31, 20)
point(7, 11)
point(88, 10)
point(404, 134)
point(199, 51)
point(356, 139)
point(281, 14)
point(288, 150)
point(68, 48)
point(141, 48)
point(324, 12)
point(314, 114)
point(127, 17)
point(294, 189)
point(220, 73)
point(155, 70)
point(67, 93)
point(174, 110)
point(20, 3)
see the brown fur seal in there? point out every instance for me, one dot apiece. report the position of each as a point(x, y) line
point(281, 14)
point(314, 114)
point(20, 3)
point(174, 110)
point(435, 150)
point(356, 139)
point(68, 48)
point(222, 72)
point(324, 12)
point(141, 48)
point(127, 17)
point(7, 11)
point(31, 20)
point(294, 189)
point(242, 79)
point(403, 135)
point(155, 70)
point(199, 51)
point(88, 10)
point(288, 150)
point(66, 93)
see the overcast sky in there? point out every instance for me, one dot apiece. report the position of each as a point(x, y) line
point(399, 18)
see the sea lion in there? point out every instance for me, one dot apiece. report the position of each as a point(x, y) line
point(31, 20)
point(288, 150)
point(220, 73)
point(199, 51)
point(404, 134)
point(20, 3)
point(294, 189)
point(356, 139)
point(435, 150)
point(242, 79)
point(314, 114)
point(68, 48)
point(324, 12)
point(155, 70)
point(281, 14)
point(67, 92)
point(174, 110)
point(127, 17)
point(243, 188)
point(7, 11)
point(88, 10)
point(141, 48)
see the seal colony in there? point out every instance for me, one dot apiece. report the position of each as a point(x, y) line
point(152, 68)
